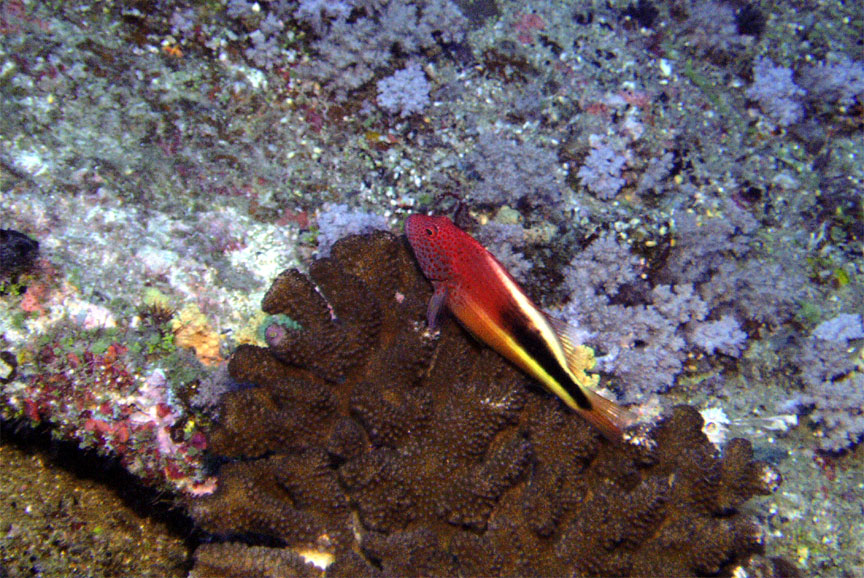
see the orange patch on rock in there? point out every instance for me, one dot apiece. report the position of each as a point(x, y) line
point(193, 330)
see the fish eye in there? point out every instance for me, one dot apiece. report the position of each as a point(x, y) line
point(431, 230)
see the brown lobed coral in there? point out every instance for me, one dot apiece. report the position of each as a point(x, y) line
point(403, 453)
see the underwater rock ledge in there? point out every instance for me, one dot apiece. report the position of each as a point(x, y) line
point(390, 451)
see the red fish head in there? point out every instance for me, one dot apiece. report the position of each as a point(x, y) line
point(435, 241)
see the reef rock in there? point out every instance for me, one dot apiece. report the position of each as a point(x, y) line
point(396, 452)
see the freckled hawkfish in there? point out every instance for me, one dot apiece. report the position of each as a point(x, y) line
point(471, 283)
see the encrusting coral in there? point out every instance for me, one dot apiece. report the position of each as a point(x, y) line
point(400, 453)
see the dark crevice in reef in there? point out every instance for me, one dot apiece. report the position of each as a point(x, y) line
point(145, 501)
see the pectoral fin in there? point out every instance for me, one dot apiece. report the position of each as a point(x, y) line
point(435, 311)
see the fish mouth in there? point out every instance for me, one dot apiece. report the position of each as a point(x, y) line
point(412, 222)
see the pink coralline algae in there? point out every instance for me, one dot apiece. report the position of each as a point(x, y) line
point(526, 25)
point(97, 400)
point(15, 19)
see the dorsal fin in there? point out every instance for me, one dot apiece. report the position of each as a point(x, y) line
point(571, 339)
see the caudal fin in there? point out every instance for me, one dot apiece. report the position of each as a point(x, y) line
point(607, 416)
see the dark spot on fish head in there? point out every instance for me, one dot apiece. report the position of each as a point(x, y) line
point(426, 230)
point(429, 238)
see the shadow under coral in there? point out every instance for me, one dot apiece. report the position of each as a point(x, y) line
point(398, 452)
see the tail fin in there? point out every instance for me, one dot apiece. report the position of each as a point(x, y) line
point(607, 416)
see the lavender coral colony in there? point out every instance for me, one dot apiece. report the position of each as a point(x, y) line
point(681, 182)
